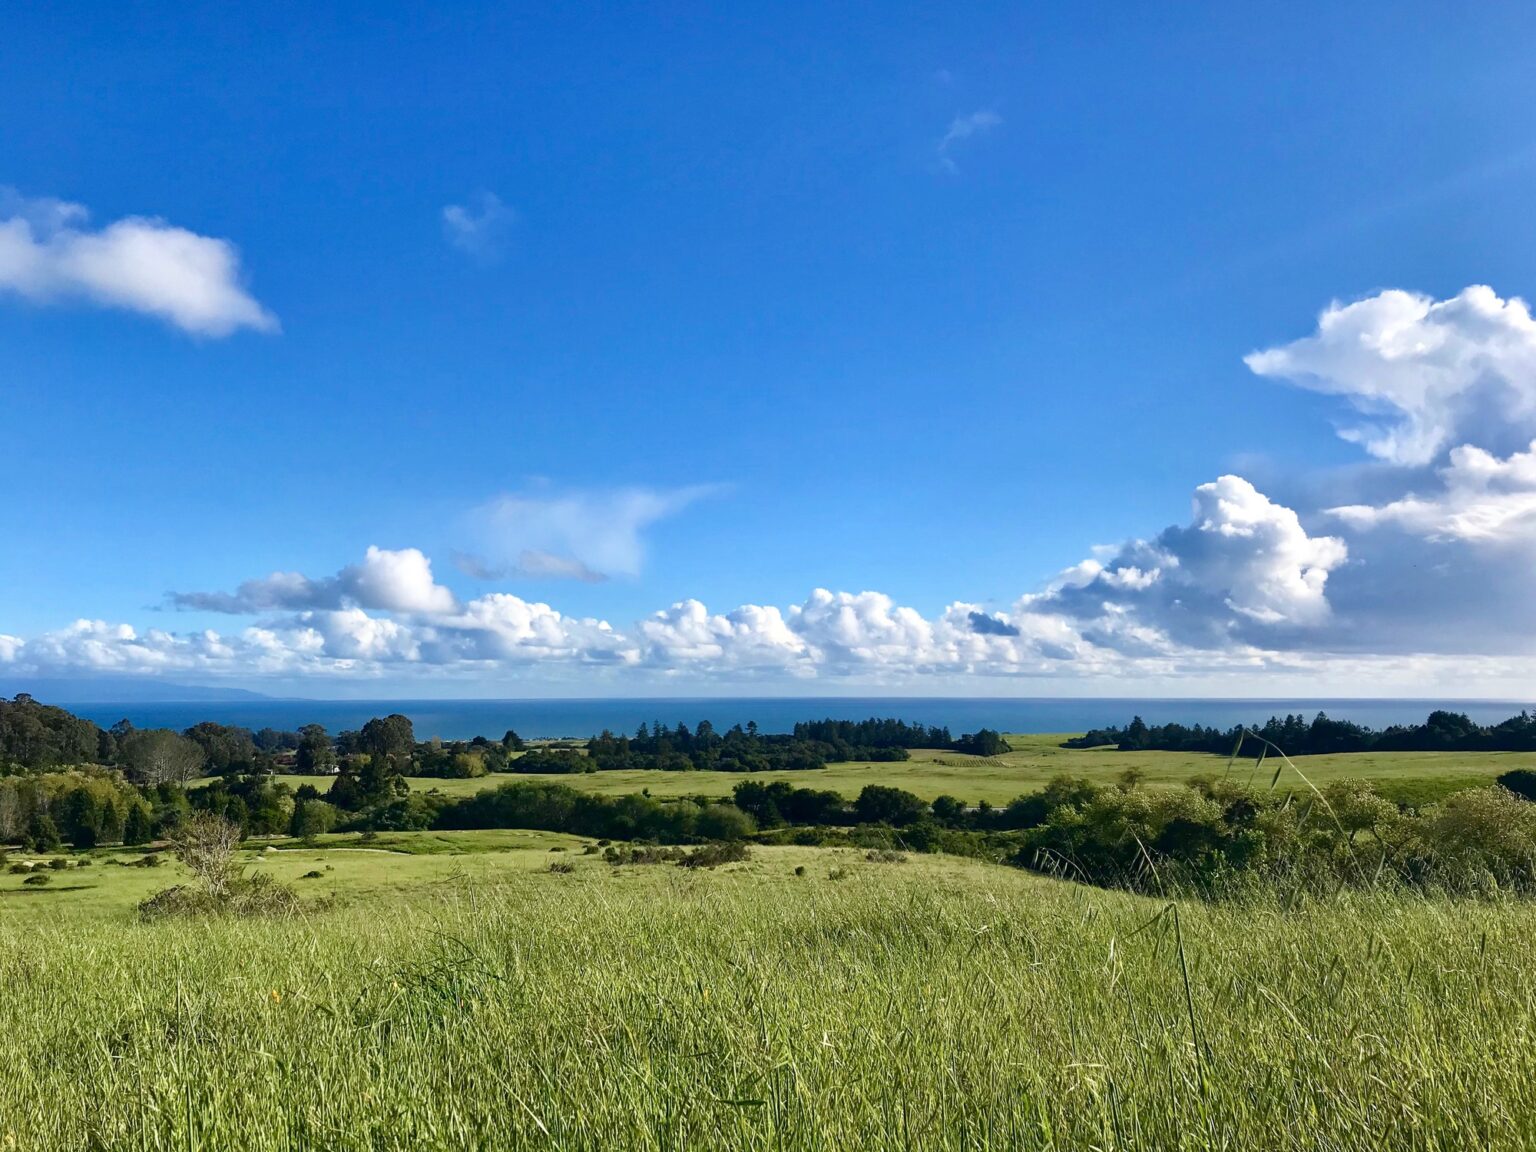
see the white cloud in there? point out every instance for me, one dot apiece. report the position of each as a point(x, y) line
point(584, 535)
point(140, 264)
point(751, 638)
point(1244, 570)
point(963, 128)
point(393, 581)
point(479, 228)
point(1430, 372)
point(501, 626)
point(1483, 499)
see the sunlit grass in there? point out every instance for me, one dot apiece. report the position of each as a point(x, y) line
point(480, 1001)
point(1407, 777)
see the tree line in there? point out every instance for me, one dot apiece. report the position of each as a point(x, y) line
point(1442, 731)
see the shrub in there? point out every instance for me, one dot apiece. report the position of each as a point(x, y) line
point(253, 896)
point(561, 867)
point(58, 863)
point(714, 855)
point(38, 878)
point(885, 856)
point(1520, 781)
point(313, 874)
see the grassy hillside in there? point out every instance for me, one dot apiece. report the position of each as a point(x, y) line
point(1412, 777)
point(480, 1001)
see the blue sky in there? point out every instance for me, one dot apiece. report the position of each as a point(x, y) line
point(728, 307)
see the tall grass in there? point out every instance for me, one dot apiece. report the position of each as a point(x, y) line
point(936, 1004)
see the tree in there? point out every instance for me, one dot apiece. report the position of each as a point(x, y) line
point(136, 827)
point(206, 844)
point(225, 748)
point(12, 817)
point(80, 817)
point(316, 754)
point(984, 742)
point(311, 818)
point(110, 830)
point(160, 756)
point(392, 737)
point(878, 804)
point(43, 833)
point(948, 810)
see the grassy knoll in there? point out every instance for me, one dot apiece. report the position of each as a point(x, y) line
point(1409, 777)
point(481, 1001)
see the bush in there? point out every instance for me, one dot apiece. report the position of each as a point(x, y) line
point(253, 896)
point(58, 863)
point(561, 867)
point(714, 855)
point(1521, 781)
point(38, 878)
point(885, 856)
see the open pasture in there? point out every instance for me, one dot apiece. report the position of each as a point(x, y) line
point(1411, 777)
point(479, 1000)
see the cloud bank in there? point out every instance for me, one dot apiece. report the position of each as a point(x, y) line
point(1424, 583)
point(49, 255)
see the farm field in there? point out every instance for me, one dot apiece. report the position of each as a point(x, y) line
point(1410, 777)
point(479, 1000)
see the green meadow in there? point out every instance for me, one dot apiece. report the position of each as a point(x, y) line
point(1408, 777)
point(467, 996)
point(502, 988)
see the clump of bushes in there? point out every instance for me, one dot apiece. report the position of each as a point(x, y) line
point(38, 878)
point(1218, 838)
point(714, 855)
point(705, 856)
point(207, 845)
point(249, 896)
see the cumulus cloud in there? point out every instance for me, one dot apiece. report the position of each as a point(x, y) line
point(479, 228)
point(394, 581)
point(1421, 571)
point(1427, 373)
point(49, 254)
point(1482, 499)
point(985, 624)
point(749, 638)
point(586, 535)
point(1244, 570)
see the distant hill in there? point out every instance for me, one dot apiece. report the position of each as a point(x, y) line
point(119, 690)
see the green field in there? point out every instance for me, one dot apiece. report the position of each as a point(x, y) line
point(476, 1000)
point(1410, 777)
point(446, 990)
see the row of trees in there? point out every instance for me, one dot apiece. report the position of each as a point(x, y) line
point(1442, 731)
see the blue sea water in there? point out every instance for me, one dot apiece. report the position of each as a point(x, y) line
point(463, 719)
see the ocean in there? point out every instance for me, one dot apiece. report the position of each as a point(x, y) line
point(464, 719)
